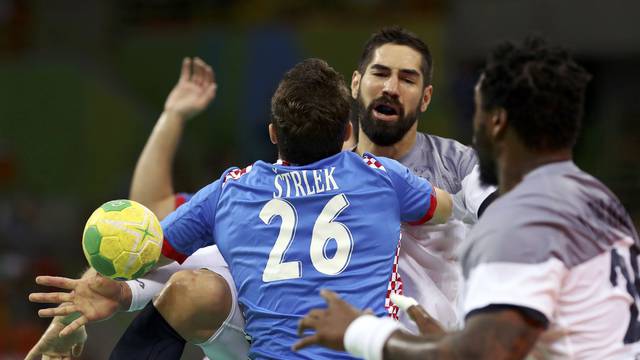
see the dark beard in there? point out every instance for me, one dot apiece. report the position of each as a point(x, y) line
point(379, 132)
point(487, 163)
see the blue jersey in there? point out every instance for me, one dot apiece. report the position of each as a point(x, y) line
point(289, 231)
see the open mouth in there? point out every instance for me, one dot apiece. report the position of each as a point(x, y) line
point(386, 112)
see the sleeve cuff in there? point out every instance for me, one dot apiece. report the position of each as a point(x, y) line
point(433, 204)
point(171, 253)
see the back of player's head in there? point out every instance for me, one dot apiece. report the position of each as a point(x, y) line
point(542, 90)
point(310, 112)
point(398, 36)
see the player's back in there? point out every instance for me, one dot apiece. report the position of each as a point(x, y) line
point(560, 243)
point(289, 231)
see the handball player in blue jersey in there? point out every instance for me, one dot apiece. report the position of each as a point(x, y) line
point(317, 219)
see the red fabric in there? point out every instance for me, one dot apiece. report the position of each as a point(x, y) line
point(179, 200)
point(430, 212)
point(394, 286)
point(171, 253)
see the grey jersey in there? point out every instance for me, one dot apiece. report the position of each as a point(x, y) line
point(428, 265)
point(560, 244)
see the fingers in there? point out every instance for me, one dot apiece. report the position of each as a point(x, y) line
point(185, 71)
point(75, 325)
point(308, 322)
point(210, 92)
point(199, 71)
point(209, 75)
point(50, 298)
point(57, 281)
point(329, 296)
point(418, 315)
point(426, 324)
point(57, 311)
point(307, 341)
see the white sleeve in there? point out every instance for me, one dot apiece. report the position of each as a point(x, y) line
point(534, 286)
point(468, 200)
point(144, 289)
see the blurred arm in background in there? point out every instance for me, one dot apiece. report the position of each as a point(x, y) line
point(152, 183)
point(98, 298)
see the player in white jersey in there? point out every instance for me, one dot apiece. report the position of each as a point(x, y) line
point(391, 87)
point(552, 267)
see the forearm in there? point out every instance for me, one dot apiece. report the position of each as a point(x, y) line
point(140, 291)
point(152, 181)
point(374, 338)
point(405, 346)
point(495, 335)
point(144, 289)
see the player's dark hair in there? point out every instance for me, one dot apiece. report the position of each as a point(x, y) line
point(310, 112)
point(398, 36)
point(542, 90)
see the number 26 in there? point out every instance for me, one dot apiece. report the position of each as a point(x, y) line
point(325, 228)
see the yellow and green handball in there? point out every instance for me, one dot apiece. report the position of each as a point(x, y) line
point(122, 239)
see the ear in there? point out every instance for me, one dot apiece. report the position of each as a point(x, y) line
point(272, 134)
point(426, 98)
point(355, 83)
point(499, 123)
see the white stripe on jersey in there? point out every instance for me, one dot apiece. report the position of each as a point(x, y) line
point(587, 315)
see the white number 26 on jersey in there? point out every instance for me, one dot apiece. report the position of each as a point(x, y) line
point(324, 229)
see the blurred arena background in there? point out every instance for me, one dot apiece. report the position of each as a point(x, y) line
point(83, 82)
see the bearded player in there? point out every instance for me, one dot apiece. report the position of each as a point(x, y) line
point(552, 266)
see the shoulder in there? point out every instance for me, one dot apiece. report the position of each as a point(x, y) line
point(549, 216)
point(456, 156)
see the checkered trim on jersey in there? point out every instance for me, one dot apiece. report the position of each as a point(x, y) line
point(372, 162)
point(236, 174)
point(395, 286)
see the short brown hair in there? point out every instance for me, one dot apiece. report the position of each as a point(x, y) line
point(310, 112)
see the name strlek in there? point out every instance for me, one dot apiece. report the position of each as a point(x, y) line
point(304, 182)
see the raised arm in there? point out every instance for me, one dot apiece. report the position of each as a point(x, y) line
point(152, 183)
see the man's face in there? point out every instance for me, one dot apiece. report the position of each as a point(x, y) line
point(482, 142)
point(390, 94)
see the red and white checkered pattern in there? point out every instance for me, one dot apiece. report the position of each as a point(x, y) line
point(237, 173)
point(395, 285)
point(372, 162)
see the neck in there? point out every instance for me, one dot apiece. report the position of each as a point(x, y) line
point(395, 151)
point(514, 165)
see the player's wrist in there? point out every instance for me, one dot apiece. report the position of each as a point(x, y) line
point(366, 335)
point(174, 115)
